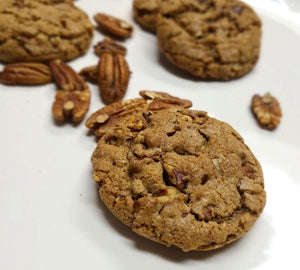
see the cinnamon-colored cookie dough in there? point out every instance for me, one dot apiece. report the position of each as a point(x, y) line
point(42, 30)
point(144, 12)
point(175, 175)
point(211, 39)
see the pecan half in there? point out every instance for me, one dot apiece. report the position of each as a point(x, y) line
point(161, 100)
point(113, 77)
point(65, 77)
point(120, 108)
point(266, 110)
point(108, 45)
point(25, 74)
point(113, 25)
point(71, 105)
point(90, 74)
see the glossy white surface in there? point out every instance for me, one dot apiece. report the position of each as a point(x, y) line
point(51, 216)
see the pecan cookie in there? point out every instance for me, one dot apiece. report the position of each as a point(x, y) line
point(174, 175)
point(42, 30)
point(144, 12)
point(211, 39)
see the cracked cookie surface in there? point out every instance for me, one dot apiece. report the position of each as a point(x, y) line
point(175, 175)
point(42, 30)
point(211, 39)
point(144, 12)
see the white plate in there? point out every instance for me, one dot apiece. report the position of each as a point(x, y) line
point(51, 216)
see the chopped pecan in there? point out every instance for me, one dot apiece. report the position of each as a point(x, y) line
point(120, 108)
point(90, 74)
point(113, 77)
point(110, 46)
point(25, 74)
point(207, 213)
point(249, 171)
point(167, 195)
point(175, 176)
point(267, 110)
point(161, 100)
point(65, 77)
point(136, 124)
point(71, 105)
point(218, 161)
point(113, 25)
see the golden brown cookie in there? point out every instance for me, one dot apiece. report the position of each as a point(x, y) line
point(144, 12)
point(211, 39)
point(42, 30)
point(174, 175)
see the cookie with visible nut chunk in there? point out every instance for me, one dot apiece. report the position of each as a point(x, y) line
point(43, 30)
point(210, 39)
point(174, 175)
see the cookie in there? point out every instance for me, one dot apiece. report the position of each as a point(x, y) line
point(210, 39)
point(42, 30)
point(144, 12)
point(175, 175)
point(55, 1)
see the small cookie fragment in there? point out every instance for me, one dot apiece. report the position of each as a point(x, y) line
point(173, 175)
point(113, 25)
point(267, 110)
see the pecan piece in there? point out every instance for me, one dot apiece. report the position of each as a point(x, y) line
point(113, 25)
point(65, 77)
point(25, 74)
point(166, 195)
point(161, 100)
point(175, 176)
point(90, 74)
point(113, 77)
point(266, 110)
point(110, 46)
point(207, 213)
point(71, 105)
point(121, 108)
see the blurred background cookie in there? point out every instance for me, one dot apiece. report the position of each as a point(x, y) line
point(211, 39)
point(42, 30)
point(144, 12)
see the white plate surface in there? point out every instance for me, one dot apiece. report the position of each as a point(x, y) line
point(51, 216)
